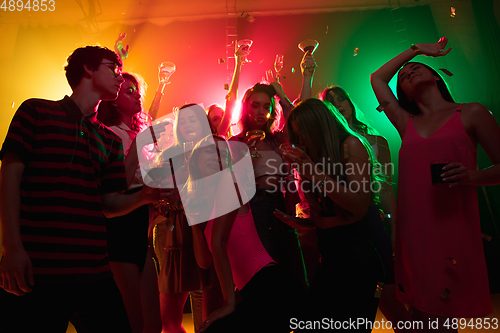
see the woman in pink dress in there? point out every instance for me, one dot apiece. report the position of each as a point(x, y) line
point(440, 265)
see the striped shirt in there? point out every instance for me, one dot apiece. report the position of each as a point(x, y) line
point(70, 160)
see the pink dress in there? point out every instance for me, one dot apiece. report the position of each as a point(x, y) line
point(440, 263)
point(247, 255)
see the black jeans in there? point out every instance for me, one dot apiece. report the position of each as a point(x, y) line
point(91, 307)
point(271, 300)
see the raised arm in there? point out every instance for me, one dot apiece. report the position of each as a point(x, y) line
point(155, 103)
point(119, 48)
point(380, 80)
point(308, 67)
point(232, 95)
point(285, 103)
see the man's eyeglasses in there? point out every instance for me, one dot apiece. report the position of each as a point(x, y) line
point(117, 70)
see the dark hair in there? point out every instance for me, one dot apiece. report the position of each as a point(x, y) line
point(109, 115)
point(200, 115)
point(91, 56)
point(274, 121)
point(411, 106)
point(324, 129)
point(358, 121)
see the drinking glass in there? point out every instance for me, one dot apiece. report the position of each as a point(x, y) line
point(165, 70)
point(249, 43)
point(290, 148)
point(253, 138)
point(278, 63)
point(308, 45)
point(188, 146)
point(437, 170)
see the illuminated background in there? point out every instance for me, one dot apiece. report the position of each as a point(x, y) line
point(192, 34)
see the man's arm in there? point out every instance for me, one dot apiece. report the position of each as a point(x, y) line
point(118, 204)
point(16, 270)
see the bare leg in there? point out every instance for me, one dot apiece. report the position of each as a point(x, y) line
point(127, 278)
point(150, 297)
point(172, 306)
point(197, 308)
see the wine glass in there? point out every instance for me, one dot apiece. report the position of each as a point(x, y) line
point(253, 138)
point(248, 43)
point(290, 148)
point(165, 70)
point(309, 45)
point(188, 146)
point(278, 63)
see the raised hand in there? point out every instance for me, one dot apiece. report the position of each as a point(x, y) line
point(119, 48)
point(308, 64)
point(436, 49)
point(240, 52)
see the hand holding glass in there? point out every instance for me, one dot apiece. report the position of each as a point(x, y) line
point(248, 43)
point(165, 70)
point(252, 139)
point(291, 148)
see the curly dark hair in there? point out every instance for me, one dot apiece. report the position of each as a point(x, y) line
point(109, 115)
point(274, 118)
point(91, 56)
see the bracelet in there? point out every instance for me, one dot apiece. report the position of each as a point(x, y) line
point(415, 48)
point(321, 184)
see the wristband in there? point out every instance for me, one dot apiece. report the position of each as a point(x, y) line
point(415, 48)
point(321, 184)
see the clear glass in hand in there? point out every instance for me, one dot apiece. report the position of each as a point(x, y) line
point(188, 146)
point(253, 139)
point(309, 45)
point(278, 63)
point(248, 43)
point(291, 148)
point(165, 70)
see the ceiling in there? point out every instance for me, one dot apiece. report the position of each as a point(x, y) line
point(106, 12)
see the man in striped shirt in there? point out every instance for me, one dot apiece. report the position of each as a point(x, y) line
point(62, 172)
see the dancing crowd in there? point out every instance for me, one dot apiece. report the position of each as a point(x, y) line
point(112, 218)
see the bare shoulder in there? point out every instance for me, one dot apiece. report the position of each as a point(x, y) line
point(475, 110)
point(353, 147)
point(352, 141)
point(474, 114)
point(376, 140)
